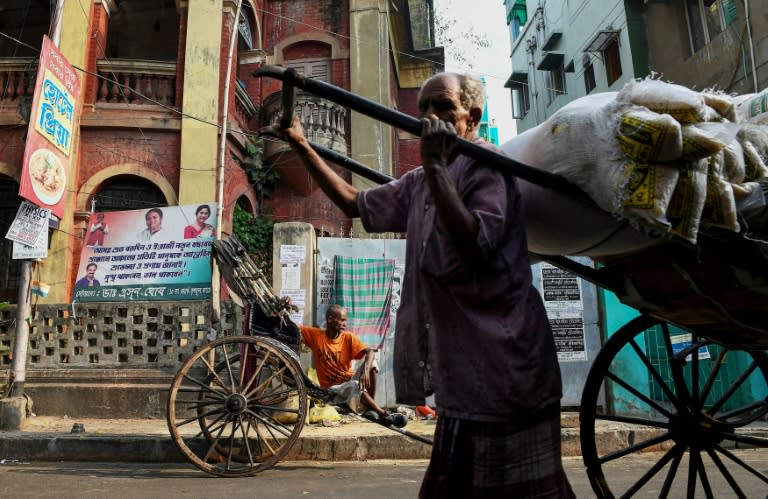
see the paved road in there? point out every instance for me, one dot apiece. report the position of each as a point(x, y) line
point(354, 480)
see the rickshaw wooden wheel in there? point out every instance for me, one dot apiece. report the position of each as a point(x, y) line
point(673, 409)
point(237, 405)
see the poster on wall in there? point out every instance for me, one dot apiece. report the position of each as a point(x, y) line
point(52, 128)
point(157, 254)
point(561, 291)
point(30, 223)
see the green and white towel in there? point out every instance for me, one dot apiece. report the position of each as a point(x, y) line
point(364, 287)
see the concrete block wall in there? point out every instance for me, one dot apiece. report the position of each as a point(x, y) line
point(134, 334)
point(114, 360)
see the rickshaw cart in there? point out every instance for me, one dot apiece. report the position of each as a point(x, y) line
point(239, 389)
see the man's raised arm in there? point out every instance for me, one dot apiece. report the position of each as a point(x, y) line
point(343, 194)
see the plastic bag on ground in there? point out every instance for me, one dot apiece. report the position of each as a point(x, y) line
point(323, 412)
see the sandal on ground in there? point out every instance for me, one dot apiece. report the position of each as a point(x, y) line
point(391, 419)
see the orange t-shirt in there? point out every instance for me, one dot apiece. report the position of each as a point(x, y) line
point(333, 358)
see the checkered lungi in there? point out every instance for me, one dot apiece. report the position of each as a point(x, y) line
point(475, 459)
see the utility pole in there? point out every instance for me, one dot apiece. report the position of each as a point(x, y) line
point(19, 366)
point(13, 409)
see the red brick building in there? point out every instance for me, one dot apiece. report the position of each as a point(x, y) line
point(155, 94)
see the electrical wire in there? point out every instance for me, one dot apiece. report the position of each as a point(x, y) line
point(122, 89)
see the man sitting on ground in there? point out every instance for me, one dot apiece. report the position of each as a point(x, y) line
point(333, 350)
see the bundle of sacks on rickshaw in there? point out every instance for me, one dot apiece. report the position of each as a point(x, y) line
point(668, 158)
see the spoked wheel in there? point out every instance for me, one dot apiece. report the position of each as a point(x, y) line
point(237, 405)
point(686, 398)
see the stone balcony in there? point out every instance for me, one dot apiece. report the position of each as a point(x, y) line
point(138, 82)
point(323, 122)
point(17, 86)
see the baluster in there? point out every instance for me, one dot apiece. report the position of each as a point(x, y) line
point(103, 90)
point(172, 90)
point(148, 90)
point(160, 94)
point(327, 118)
point(305, 120)
point(166, 90)
point(3, 89)
point(342, 115)
point(20, 87)
point(136, 89)
point(11, 85)
point(126, 91)
point(114, 89)
point(311, 116)
point(318, 112)
point(335, 119)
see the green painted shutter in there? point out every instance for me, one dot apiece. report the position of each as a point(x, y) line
point(729, 11)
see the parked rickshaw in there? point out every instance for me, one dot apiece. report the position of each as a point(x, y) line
point(249, 396)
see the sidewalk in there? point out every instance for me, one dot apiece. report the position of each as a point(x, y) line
point(48, 438)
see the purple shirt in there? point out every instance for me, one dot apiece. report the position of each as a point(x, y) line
point(481, 335)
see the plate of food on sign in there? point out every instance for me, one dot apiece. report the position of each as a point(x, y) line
point(47, 175)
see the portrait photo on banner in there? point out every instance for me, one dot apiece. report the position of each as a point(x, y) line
point(154, 254)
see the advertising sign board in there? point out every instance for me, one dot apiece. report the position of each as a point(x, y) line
point(52, 127)
point(158, 254)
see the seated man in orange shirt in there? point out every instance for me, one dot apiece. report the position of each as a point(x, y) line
point(334, 349)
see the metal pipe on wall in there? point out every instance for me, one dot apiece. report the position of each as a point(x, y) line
point(215, 273)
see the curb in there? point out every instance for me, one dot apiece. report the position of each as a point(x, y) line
point(50, 446)
point(20, 446)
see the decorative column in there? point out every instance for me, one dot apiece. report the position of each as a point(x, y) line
point(370, 77)
point(202, 69)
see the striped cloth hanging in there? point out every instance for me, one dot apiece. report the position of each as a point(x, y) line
point(364, 287)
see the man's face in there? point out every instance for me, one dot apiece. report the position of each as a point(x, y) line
point(441, 97)
point(153, 221)
point(336, 322)
point(90, 271)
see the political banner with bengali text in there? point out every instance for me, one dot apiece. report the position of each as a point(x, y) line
point(156, 254)
point(53, 125)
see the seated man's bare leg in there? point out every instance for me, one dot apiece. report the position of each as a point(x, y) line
point(369, 394)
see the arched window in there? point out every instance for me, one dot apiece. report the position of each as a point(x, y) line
point(9, 268)
point(126, 192)
point(144, 29)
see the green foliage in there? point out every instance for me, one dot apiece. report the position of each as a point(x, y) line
point(263, 179)
point(256, 235)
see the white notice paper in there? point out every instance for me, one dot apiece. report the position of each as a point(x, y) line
point(297, 296)
point(297, 317)
point(39, 250)
point(30, 221)
point(293, 253)
point(291, 276)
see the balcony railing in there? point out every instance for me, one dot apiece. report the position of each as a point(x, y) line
point(17, 78)
point(323, 120)
point(126, 81)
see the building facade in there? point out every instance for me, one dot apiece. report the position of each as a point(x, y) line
point(169, 111)
point(562, 51)
point(155, 94)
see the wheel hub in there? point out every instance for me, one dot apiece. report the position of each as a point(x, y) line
point(699, 429)
point(236, 403)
